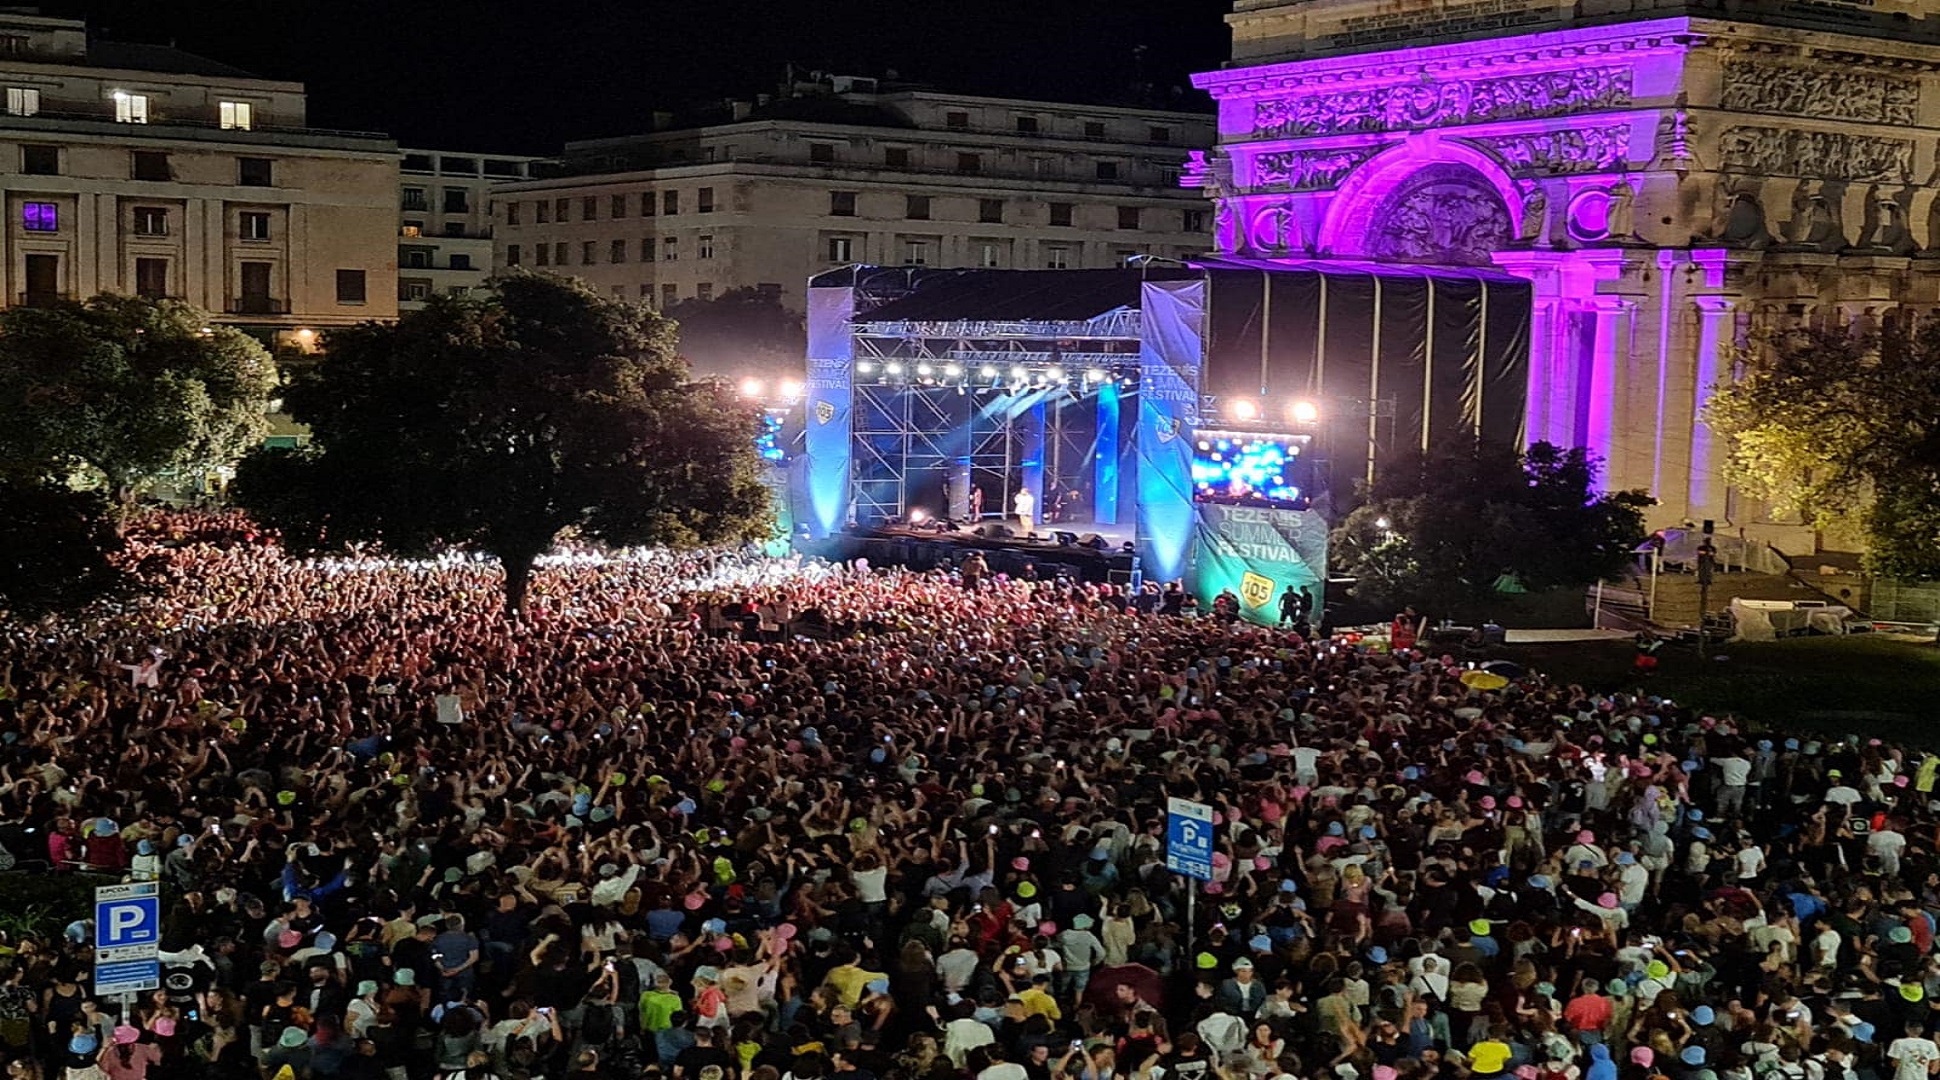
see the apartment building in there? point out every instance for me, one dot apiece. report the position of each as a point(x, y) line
point(144, 170)
point(847, 171)
point(445, 226)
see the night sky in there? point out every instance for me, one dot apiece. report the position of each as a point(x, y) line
point(523, 76)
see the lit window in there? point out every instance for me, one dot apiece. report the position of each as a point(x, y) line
point(841, 249)
point(990, 256)
point(705, 245)
point(130, 108)
point(670, 249)
point(40, 217)
point(23, 100)
point(240, 115)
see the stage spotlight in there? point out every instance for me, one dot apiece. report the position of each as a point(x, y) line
point(791, 389)
point(918, 516)
point(895, 369)
point(1242, 409)
point(865, 366)
point(1305, 412)
point(1056, 374)
point(923, 369)
point(752, 387)
point(989, 371)
point(1094, 375)
point(953, 370)
point(1017, 373)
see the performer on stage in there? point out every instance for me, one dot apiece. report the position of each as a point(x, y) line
point(1024, 505)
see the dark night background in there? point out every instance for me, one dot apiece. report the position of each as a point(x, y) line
point(526, 75)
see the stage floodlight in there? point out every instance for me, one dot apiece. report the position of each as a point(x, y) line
point(1095, 375)
point(752, 387)
point(1017, 373)
point(989, 371)
point(1243, 409)
point(1056, 374)
point(923, 369)
point(865, 366)
point(791, 389)
point(1305, 412)
point(917, 515)
point(895, 369)
point(953, 370)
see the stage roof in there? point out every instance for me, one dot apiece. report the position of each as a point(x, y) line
point(1019, 295)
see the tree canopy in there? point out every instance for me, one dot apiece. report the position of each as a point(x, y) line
point(1457, 528)
point(497, 423)
point(1842, 427)
point(740, 331)
point(122, 391)
point(57, 548)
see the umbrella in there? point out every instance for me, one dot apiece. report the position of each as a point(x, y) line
point(1508, 669)
point(1483, 680)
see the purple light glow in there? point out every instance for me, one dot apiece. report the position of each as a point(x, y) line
point(40, 217)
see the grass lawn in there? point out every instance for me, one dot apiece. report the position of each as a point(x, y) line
point(1884, 685)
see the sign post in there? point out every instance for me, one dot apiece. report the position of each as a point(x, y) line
point(1188, 851)
point(127, 938)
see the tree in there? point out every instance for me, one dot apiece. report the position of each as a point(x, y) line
point(57, 548)
point(498, 423)
point(124, 390)
point(1457, 528)
point(740, 331)
point(1843, 427)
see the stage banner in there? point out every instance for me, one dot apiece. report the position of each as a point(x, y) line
point(828, 403)
point(1171, 350)
point(1260, 554)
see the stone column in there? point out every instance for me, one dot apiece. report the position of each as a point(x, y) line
point(1717, 320)
point(1608, 340)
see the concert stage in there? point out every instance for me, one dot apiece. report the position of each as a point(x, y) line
point(1080, 550)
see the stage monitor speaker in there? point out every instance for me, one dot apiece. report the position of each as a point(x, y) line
point(994, 532)
point(1065, 539)
point(1092, 541)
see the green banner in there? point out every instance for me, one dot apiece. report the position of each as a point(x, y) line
point(1259, 554)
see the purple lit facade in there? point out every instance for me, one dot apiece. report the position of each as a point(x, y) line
point(1667, 185)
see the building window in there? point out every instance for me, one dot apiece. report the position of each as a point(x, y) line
point(588, 254)
point(896, 157)
point(543, 254)
point(589, 208)
point(1027, 125)
point(646, 204)
point(616, 207)
point(40, 217)
point(917, 207)
point(646, 292)
point(417, 258)
point(670, 249)
point(541, 212)
point(253, 225)
point(151, 165)
point(1094, 129)
point(704, 291)
point(412, 229)
point(990, 254)
point(511, 213)
point(669, 295)
point(414, 291)
point(1128, 217)
point(414, 199)
point(350, 286)
point(13, 44)
point(240, 115)
point(669, 203)
point(616, 251)
point(512, 255)
point(1057, 257)
point(254, 172)
point(1160, 135)
point(1107, 170)
point(1168, 175)
point(821, 153)
point(990, 211)
point(130, 108)
point(1192, 221)
point(841, 249)
point(461, 262)
point(841, 204)
point(956, 120)
point(151, 278)
point(916, 253)
point(151, 221)
point(559, 253)
point(43, 273)
point(457, 201)
point(704, 201)
point(704, 246)
point(646, 249)
point(969, 163)
point(1061, 213)
point(40, 160)
point(23, 100)
point(562, 210)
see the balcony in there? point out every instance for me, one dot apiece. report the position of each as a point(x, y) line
point(39, 299)
point(258, 305)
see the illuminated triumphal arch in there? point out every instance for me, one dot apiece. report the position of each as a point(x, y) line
point(1669, 176)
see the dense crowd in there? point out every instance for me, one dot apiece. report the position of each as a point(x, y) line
point(658, 828)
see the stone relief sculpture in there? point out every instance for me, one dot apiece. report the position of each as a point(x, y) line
point(1551, 153)
point(1444, 214)
point(1814, 225)
point(1535, 216)
point(1421, 105)
point(1829, 155)
point(1831, 93)
point(1276, 231)
point(1620, 216)
point(1886, 231)
point(1308, 170)
point(1744, 224)
point(1672, 149)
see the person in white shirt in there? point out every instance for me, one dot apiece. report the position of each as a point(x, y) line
point(1751, 860)
point(1913, 1056)
point(1024, 505)
point(1886, 844)
point(1734, 773)
point(1825, 946)
point(1841, 794)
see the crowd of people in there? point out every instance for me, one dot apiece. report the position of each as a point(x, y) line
point(652, 830)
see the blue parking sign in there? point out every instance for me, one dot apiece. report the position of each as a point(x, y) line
point(1189, 838)
point(127, 937)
